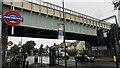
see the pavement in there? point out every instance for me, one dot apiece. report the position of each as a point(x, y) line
point(71, 65)
point(101, 61)
point(104, 59)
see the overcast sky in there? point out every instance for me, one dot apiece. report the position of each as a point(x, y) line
point(96, 8)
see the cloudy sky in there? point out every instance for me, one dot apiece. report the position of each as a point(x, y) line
point(96, 8)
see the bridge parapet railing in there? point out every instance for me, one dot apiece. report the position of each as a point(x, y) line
point(77, 14)
point(55, 10)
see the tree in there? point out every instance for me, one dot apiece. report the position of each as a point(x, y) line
point(28, 46)
point(72, 52)
point(14, 49)
point(35, 51)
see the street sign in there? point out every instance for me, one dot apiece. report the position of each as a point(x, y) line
point(12, 18)
point(60, 32)
point(10, 43)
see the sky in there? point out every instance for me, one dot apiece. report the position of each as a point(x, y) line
point(96, 8)
point(38, 41)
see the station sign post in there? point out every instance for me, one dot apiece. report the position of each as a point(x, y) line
point(11, 18)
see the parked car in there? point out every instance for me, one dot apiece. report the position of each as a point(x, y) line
point(62, 56)
point(84, 58)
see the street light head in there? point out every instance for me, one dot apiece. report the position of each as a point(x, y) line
point(116, 4)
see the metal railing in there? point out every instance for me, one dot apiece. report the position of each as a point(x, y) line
point(59, 8)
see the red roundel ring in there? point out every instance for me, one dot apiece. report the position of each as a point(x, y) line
point(10, 43)
point(12, 23)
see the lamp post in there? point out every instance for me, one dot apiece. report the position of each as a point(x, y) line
point(115, 35)
point(116, 4)
point(64, 33)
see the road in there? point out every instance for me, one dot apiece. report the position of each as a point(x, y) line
point(71, 63)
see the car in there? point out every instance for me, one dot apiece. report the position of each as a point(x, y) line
point(84, 58)
point(61, 56)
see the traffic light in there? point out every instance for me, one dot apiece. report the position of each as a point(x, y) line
point(110, 38)
point(100, 37)
point(114, 30)
point(119, 33)
point(112, 34)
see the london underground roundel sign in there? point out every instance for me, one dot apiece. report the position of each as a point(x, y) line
point(10, 43)
point(12, 18)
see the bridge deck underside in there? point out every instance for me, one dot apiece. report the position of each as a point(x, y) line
point(22, 31)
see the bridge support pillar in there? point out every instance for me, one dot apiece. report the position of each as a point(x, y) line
point(88, 46)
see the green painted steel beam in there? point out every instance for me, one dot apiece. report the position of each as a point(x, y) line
point(36, 20)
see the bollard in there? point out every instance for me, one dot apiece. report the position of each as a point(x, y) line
point(41, 60)
point(23, 64)
point(36, 59)
point(75, 62)
point(52, 57)
point(27, 64)
point(114, 58)
point(58, 57)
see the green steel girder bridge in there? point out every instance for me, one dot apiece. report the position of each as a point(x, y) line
point(41, 20)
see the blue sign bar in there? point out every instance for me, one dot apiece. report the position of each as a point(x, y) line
point(13, 18)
